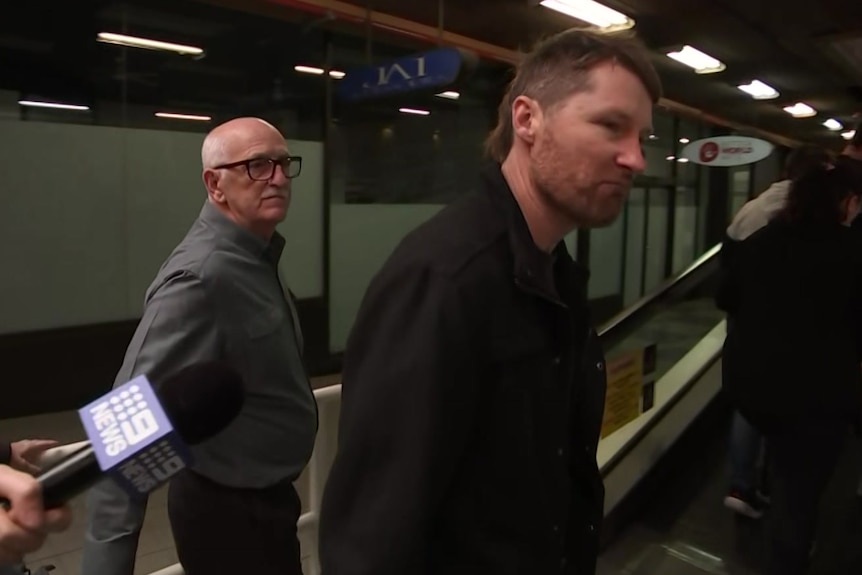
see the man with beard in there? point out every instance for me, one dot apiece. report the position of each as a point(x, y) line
point(473, 381)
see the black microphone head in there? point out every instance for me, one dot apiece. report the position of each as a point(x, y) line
point(202, 399)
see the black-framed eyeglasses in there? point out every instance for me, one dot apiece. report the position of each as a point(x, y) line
point(263, 169)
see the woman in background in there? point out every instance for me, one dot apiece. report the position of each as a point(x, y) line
point(791, 364)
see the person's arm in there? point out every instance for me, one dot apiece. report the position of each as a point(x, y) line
point(409, 395)
point(25, 523)
point(727, 294)
point(178, 328)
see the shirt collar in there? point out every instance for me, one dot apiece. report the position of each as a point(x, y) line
point(241, 237)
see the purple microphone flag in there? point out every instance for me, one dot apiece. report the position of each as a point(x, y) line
point(132, 437)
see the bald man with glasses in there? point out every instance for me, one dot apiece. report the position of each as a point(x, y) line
point(219, 296)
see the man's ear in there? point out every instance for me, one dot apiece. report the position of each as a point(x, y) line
point(526, 118)
point(211, 182)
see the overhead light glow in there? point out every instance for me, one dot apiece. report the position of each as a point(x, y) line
point(759, 91)
point(54, 105)
point(848, 135)
point(833, 124)
point(449, 94)
point(684, 140)
point(800, 110)
point(414, 111)
point(172, 116)
point(336, 74)
point(309, 70)
point(700, 62)
point(146, 43)
point(599, 15)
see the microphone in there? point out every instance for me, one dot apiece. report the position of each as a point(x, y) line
point(138, 436)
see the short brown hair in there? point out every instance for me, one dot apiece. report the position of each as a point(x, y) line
point(559, 66)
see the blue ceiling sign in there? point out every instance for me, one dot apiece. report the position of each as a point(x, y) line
point(432, 70)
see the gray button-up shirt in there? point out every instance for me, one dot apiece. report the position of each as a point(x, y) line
point(218, 296)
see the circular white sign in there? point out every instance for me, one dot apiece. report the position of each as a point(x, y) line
point(724, 151)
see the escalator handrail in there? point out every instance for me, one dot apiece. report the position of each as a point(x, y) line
point(634, 312)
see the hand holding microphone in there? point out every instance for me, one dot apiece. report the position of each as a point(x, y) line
point(138, 436)
point(24, 526)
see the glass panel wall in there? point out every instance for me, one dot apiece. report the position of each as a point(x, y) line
point(123, 183)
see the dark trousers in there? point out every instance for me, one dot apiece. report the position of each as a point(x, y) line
point(224, 530)
point(803, 459)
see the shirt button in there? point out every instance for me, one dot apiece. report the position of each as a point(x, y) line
point(600, 366)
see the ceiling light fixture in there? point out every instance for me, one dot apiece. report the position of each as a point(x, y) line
point(800, 110)
point(172, 116)
point(599, 15)
point(309, 70)
point(146, 43)
point(759, 91)
point(684, 140)
point(848, 135)
point(693, 58)
point(314, 70)
point(449, 95)
point(833, 124)
point(414, 111)
point(54, 105)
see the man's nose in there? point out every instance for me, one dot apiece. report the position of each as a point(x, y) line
point(632, 157)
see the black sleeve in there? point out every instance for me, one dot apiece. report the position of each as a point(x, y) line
point(5, 453)
point(727, 295)
point(409, 393)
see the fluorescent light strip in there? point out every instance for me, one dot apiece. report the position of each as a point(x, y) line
point(684, 140)
point(694, 58)
point(414, 111)
point(592, 12)
point(54, 105)
point(172, 116)
point(146, 43)
point(833, 124)
point(309, 70)
point(449, 95)
point(759, 91)
point(800, 110)
point(334, 74)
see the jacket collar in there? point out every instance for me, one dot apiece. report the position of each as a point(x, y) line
point(230, 231)
point(530, 262)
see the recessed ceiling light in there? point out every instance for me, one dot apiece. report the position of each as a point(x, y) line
point(135, 42)
point(414, 111)
point(848, 135)
point(450, 95)
point(800, 110)
point(701, 63)
point(172, 116)
point(599, 15)
point(54, 105)
point(833, 124)
point(759, 91)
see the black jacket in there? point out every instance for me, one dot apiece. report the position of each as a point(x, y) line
point(794, 342)
point(473, 393)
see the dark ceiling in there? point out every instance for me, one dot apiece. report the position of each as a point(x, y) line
point(795, 46)
point(48, 50)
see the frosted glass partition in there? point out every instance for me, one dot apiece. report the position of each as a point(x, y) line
point(606, 252)
point(362, 238)
point(90, 212)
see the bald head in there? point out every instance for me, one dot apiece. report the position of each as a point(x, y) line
point(227, 140)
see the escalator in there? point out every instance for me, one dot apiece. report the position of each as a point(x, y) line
point(666, 472)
